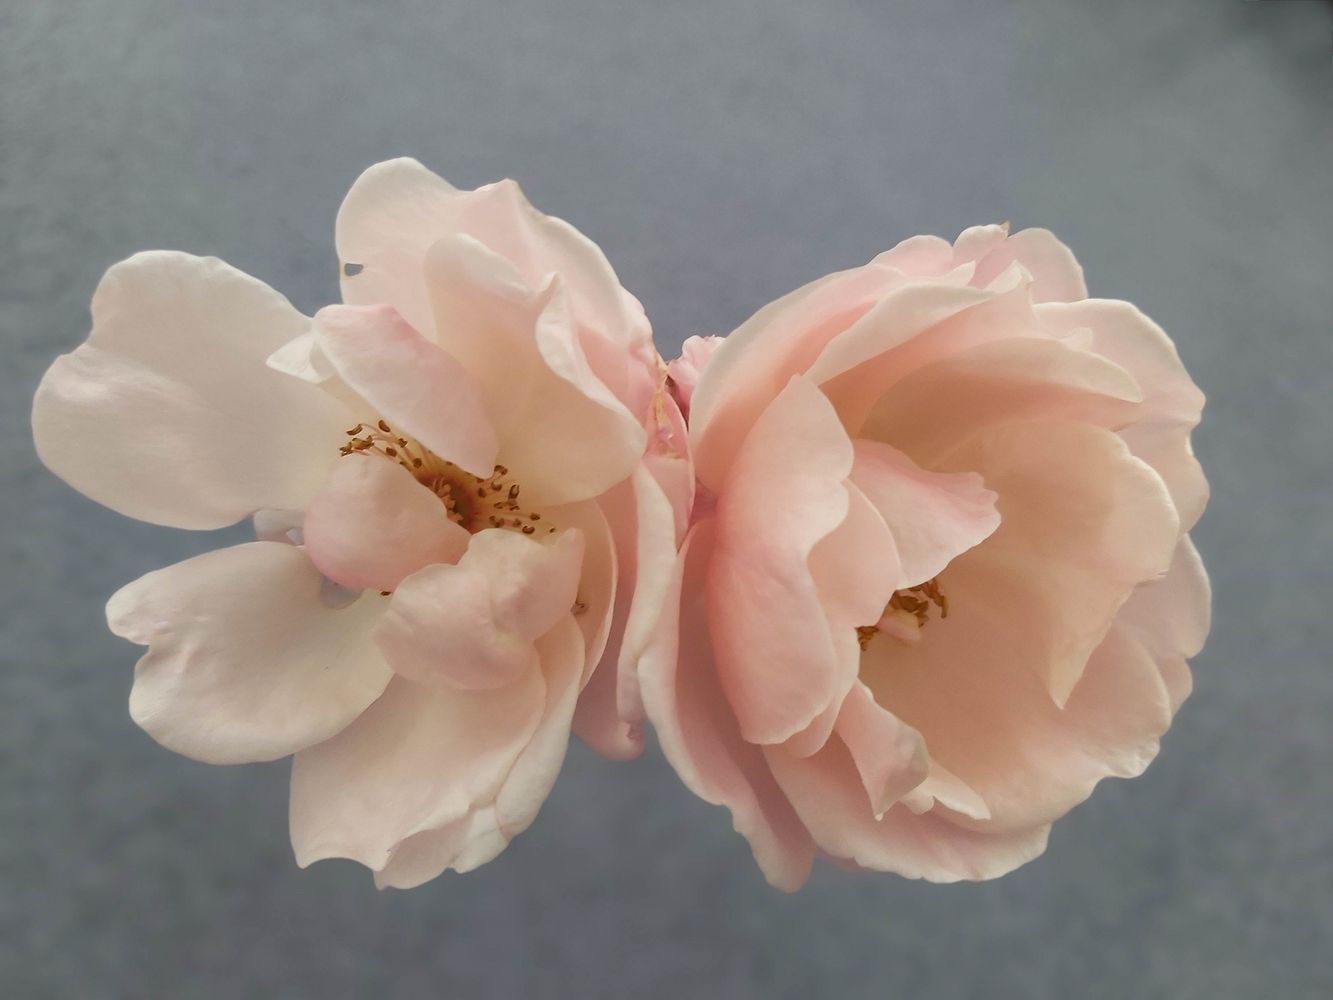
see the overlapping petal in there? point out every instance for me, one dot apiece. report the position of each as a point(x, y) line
point(699, 733)
point(416, 762)
point(373, 524)
point(1172, 403)
point(168, 413)
point(417, 386)
point(775, 653)
point(561, 430)
point(247, 661)
point(474, 624)
point(934, 517)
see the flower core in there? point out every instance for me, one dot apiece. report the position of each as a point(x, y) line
point(474, 503)
point(907, 613)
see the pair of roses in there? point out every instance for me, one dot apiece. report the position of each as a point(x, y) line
point(897, 571)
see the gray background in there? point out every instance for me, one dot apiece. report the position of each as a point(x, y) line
point(722, 153)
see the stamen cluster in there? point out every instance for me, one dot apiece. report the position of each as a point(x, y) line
point(464, 495)
point(913, 601)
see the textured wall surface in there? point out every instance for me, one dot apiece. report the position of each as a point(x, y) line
point(722, 153)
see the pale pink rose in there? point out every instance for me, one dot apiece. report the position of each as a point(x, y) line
point(938, 581)
point(456, 479)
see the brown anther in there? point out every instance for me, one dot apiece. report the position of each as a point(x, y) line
point(864, 634)
point(452, 485)
point(917, 600)
point(579, 607)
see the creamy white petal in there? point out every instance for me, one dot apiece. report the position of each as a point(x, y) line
point(246, 660)
point(169, 413)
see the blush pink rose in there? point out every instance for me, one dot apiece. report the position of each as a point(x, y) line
point(456, 479)
point(938, 581)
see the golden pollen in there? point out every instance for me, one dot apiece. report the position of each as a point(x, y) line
point(474, 503)
point(917, 600)
point(907, 609)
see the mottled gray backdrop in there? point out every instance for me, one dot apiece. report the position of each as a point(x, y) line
point(722, 153)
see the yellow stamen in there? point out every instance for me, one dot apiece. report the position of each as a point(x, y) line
point(913, 601)
point(459, 491)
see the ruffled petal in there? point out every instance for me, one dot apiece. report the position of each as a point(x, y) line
point(396, 210)
point(475, 624)
point(599, 576)
point(920, 257)
point(562, 433)
point(776, 657)
point(1033, 612)
point(418, 761)
point(1171, 617)
point(934, 516)
point(373, 524)
point(393, 213)
point(698, 732)
point(897, 319)
point(416, 386)
point(753, 364)
point(942, 787)
point(827, 794)
point(916, 326)
point(610, 713)
point(686, 370)
point(168, 413)
point(1056, 275)
point(490, 826)
point(933, 408)
point(539, 245)
point(1172, 403)
point(246, 662)
point(597, 719)
point(1083, 523)
point(855, 568)
point(889, 756)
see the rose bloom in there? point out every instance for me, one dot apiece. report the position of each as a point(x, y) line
point(454, 479)
point(938, 581)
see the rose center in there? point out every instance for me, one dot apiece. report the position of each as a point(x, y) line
point(907, 613)
point(474, 503)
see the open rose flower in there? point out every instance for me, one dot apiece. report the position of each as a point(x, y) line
point(456, 478)
point(938, 582)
